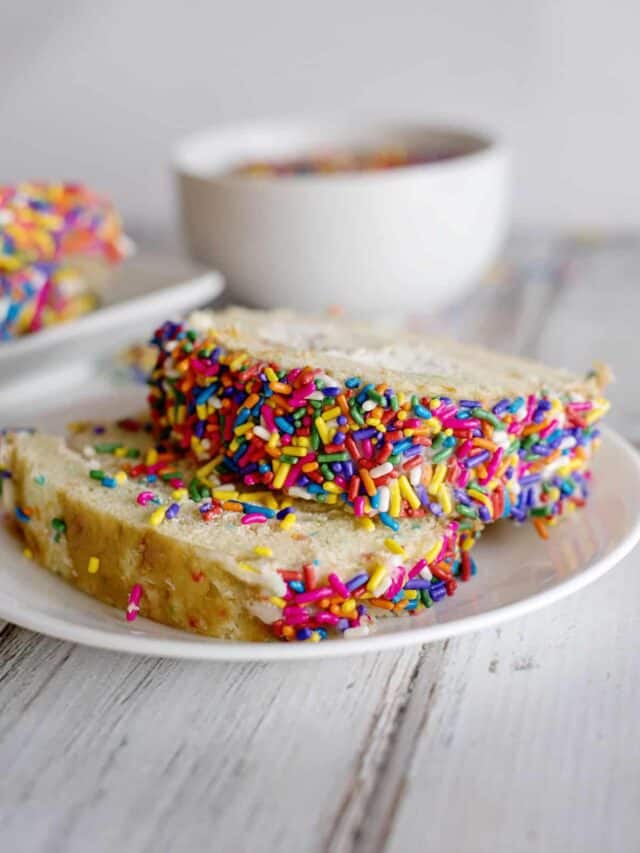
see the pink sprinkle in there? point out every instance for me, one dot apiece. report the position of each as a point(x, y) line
point(397, 582)
point(493, 465)
point(253, 518)
point(338, 586)
point(461, 424)
point(548, 429)
point(463, 478)
point(177, 483)
point(267, 416)
point(358, 506)
point(133, 605)
point(251, 479)
point(293, 475)
point(340, 481)
point(514, 427)
point(580, 407)
point(325, 618)
point(285, 439)
point(367, 448)
point(313, 594)
point(531, 405)
point(415, 570)
point(144, 498)
point(465, 449)
point(294, 615)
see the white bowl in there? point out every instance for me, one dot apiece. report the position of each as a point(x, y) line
point(374, 242)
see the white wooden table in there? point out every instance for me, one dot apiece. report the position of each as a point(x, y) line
point(522, 738)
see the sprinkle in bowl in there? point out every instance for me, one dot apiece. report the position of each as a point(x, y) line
point(413, 234)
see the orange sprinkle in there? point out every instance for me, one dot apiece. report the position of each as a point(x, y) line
point(342, 402)
point(484, 442)
point(542, 527)
point(234, 506)
point(367, 482)
point(382, 603)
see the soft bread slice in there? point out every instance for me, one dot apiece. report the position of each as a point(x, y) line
point(378, 423)
point(402, 360)
point(217, 577)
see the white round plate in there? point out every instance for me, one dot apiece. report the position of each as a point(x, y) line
point(517, 571)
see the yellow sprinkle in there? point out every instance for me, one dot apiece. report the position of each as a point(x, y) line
point(120, 452)
point(401, 416)
point(152, 456)
point(393, 546)
point(274, 440)
point(395, 502)
point(349, 607)
point(287, 502)
point(270, 502)
point(375, 579)
point(243, 428)
point(120, 477)
point(411, 593)
point(157, 516)
point(201, 411)
point(238, 361)
point(435, 403)
point(28, 553)
point(322, 430)
point(300, 441)
point(366, 524)
point(315, 637)
point(407, 492)
point(467, 545)
point(205, 470)
point(331, 499)
point(247, 568)
point(277, 601)
point(438, 478)
point(435, 424)
point(271, 375)
point(224, 494)
point(444, 497)
point(296, 451)
point(263, 551)
point(433, 552)
point(281, 476)
point(93, 565)
point(332, 487)
point(288, 521)
point(179, 494)
point(481, 498)
point(331, 413)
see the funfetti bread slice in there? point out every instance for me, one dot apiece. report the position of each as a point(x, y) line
point(136, 527)
point(385, 425)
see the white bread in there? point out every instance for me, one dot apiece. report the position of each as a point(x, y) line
point(199, 576)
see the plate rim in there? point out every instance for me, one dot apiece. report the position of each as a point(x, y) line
point(194, 647)
point(208, 284)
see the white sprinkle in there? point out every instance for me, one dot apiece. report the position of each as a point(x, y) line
point(369, 405)
point(300, 492)
point(381, 470)
point(262, 433)
point(354, 633)
point(384, 496)
point(415, 474)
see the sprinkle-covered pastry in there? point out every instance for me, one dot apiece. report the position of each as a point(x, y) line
point(386, 426)
point(57, 243)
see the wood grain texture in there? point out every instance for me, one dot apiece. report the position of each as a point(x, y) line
point(516, 739)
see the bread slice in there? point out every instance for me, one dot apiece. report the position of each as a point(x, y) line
point(122, 521)
point(379, 423)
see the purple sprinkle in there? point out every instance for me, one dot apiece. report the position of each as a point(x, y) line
point(418, 583)
point(341, 420)
point(501, 407)
point(468, 404)
point(422, 494)
point(99, 430)
point(437, 591)
point(283, 513)
point(414, 450)
point(339, 437)
point(330, 392)
point(462, 497)
point(530, 479)
point(304, 633)
point(435, 508)
point(484, 513)
point(336, 467)
point(172, 511)
point(361, 434)
point(357, 581)
point(478, 459)
point(348, 469)
point(343, 624)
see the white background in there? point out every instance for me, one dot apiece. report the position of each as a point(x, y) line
point(102, 90)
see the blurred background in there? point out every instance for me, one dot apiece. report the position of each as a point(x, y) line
point(104, 90)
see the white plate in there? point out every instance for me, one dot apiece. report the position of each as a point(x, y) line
point(145, 291)
point(517, 571)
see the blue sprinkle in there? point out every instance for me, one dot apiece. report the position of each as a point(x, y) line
point(352, 382)
point(296, 586)
point(284, 425)
point(357, 581)
point(109, 482)
point(386, 519)
point(304, 633)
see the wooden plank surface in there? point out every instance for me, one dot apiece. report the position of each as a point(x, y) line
point(520, 738)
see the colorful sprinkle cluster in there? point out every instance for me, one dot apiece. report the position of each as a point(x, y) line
point(308, 603)
point(362, 445)
point(44, 229)
point(328, 163)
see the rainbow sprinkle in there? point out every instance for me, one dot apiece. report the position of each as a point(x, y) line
point(360, 445)
point(47, 233)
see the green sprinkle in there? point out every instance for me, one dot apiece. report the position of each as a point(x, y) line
point(290, 459)
point(133, 453)
point(327, 473)
point(426, 598)
point(355, 414)
point(333, 457)
point(97, 474)
point(39, 480)
point(394, 403)
point(374, 395)
point(461, 509)
point(107, 447)
point(483, 415)
point(441, 455)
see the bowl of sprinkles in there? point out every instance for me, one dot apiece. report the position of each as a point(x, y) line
point(374, 217)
